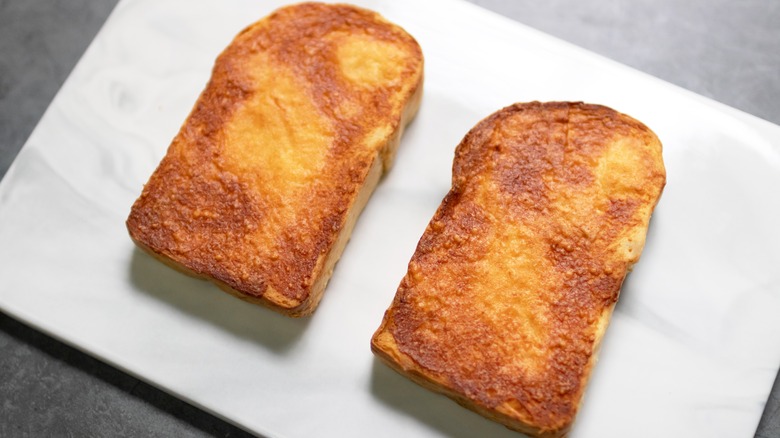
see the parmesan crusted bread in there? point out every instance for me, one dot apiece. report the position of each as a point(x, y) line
point(260, 189)
point(513, 283)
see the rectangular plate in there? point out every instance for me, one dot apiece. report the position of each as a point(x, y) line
point(692, 347)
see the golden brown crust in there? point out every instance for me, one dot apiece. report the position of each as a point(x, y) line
point(511, 286)
point(261, 187)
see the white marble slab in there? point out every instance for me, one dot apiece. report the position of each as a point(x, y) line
point(694, 344)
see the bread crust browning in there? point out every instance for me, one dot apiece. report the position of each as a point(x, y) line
point(260, 189)
point(514, 280)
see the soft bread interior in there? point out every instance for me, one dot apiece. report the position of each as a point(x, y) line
point(262, 186)
point(512, 285)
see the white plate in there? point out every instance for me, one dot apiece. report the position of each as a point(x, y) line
point(693, 347)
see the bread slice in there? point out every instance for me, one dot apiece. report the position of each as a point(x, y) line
point(261, 188)
point(514, 280)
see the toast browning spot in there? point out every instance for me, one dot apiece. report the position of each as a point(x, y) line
point(514, 280)
point(260, 189)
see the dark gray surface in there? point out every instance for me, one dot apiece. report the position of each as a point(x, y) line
point(723, 49)
point(726, 50)
point(46, 387)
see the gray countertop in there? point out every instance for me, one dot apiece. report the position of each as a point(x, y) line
point(728, 51)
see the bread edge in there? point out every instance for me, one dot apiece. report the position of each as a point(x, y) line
point(380, 165)
point(324, 266)
point(384, 347)
point(383, 343)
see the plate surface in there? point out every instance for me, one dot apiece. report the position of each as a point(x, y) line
point(692, 349)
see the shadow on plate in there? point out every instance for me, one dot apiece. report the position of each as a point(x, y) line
point(435, 410)
point(72, 378)
point(206, 301)
point(623, 304)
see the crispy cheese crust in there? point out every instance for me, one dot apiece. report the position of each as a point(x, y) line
point(261, 187)
point(512, 285)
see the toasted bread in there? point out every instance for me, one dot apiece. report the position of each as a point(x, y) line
point(260, 189)
point(513, 283)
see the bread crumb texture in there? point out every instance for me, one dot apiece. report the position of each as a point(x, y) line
point(512, 283)
point(259, 182)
